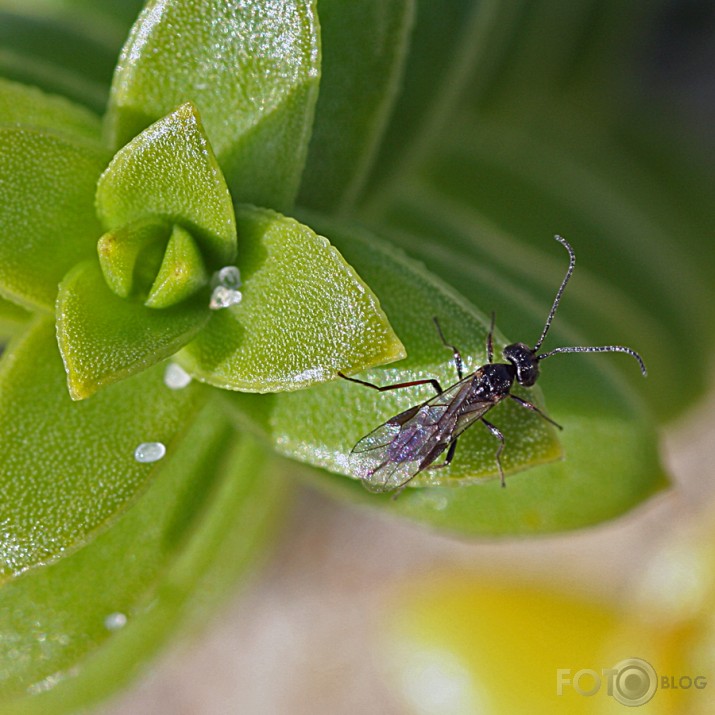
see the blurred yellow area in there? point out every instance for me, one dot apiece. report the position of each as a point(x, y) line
point(458, 643)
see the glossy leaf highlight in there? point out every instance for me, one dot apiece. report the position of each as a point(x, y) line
point(251, 68)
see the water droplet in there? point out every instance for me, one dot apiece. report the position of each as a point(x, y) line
point(175, 377)
point(115, 621)
point(149, 452)
point(223, 297)
point(228, 277)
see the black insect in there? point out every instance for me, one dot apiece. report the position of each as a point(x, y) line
point(394, 453)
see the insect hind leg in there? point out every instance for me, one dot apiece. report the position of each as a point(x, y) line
point(448, 459)
point(493, 429)
point(534, 408)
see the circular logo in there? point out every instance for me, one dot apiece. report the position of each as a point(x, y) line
point(635, 682)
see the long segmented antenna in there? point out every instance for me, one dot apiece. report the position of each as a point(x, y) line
point(600, 349)
point(560, 291)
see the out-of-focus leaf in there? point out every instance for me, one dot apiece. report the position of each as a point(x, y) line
point(355, 96)
point(447, 42)
point(29, 107)
point(169, 172)
point(104, 338)
point(47, 211)
point(12, 318)
point(69, 468)
point(320, 426)
point(252, 69)
point(59, 55)
point(305, 314)
point(80, 628)
point(525, 184)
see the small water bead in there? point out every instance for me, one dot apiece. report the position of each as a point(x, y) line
point(115, 621)
point(225, 284)
point(175, 377)
point(223, 297)
point(148, 452)
point(228, 277)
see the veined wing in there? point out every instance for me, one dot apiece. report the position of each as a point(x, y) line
point(400, 448)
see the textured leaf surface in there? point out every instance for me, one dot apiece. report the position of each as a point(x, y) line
point(104, 338)
point(47, 211)
point(78, 629)
point(305, 314)
point(320, 426)
point(252, 69)
point(169, 172)
point(69, 468)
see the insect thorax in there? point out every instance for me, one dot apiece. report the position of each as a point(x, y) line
point(492, 382)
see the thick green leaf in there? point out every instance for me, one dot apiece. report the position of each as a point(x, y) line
point(304, 316)
point(104, 338)
point(355, 96)
point(181, 274)
point(78, 629)
point(321, 425)
point(47, 211)
point(125, 252)
point(24, 106)
point(170, 172)
point(69, 468)
point(251, 68)
point(610, 445)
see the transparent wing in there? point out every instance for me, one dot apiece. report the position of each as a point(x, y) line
point(397, 450)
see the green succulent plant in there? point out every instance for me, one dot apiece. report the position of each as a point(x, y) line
point(366, 167)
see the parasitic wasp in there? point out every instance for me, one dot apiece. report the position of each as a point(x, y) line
point(410, 442)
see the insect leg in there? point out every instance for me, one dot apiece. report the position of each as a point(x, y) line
point(490, 340)
point(428, 381)
point(448, 459)
point(534, 408)
point(458, 362)
point(497, 456)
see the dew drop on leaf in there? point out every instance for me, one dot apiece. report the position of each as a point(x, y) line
point(149, 452)
point(175, 377)
point(115, 621)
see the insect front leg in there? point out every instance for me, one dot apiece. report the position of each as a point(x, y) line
point(534, 408)
point(398, 385)
point(497, 456)
point(490, 340)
